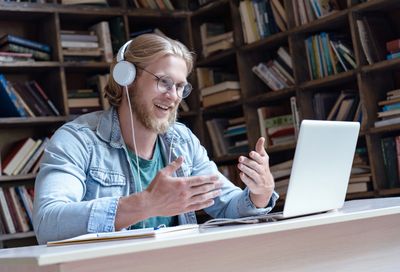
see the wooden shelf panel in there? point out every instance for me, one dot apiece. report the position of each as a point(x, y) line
point(17, 178)
point(29, 121)
point(14, 236)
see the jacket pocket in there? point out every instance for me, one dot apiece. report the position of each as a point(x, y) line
point(104, 183)
point(107, 178)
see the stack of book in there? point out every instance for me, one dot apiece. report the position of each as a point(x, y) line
point(306, 11)
point(16, 206)
point(277, 73)
point(214, 38)
point(24, 99)
point(281, 173)
point(221, 93)
point(228, 136)
point(361, 177)
point(328, 55)
point(390, 109)
point(91, 45)
point(83, 101)
point(277, 125)
point(17, 44)
point(261, 19)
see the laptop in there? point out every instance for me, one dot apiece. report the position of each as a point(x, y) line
point(320, 173)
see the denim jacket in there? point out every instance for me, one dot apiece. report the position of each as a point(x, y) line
point(86, 169)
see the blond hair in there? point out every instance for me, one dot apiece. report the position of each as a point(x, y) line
point(142, 51)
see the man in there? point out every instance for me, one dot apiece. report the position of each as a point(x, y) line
point(133, 166)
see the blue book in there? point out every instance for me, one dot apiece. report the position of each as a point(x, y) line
point(393, 56)
point(391, 107)
point(8, 38)
point(10, 107)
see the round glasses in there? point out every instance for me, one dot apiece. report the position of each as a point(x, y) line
point(165, 84)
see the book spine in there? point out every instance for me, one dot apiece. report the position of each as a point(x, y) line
point(21, 49)
point(46, 98)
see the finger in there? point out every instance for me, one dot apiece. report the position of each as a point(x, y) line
point(251, 163)
point(260, 146)
point(205, 188)
point(247, 181)
point(257, 157)
point(199, 206)
point(201, 180)
point(205, 197)
point(251, 173)
point(173, 166)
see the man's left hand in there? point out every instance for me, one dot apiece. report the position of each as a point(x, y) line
point(255, 173)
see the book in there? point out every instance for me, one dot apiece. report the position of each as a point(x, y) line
point(127, 234)
point(21, 150)
point(221, 97)
point(227, 85)
point(11, 106)
point(13, 39)
point(393, 46)
point(5, 214)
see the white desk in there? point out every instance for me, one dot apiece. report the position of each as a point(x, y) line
point(363, 236)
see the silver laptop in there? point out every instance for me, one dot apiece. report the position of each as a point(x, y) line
point(320, 172)
point(321, 167)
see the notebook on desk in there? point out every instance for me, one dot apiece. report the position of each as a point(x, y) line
point(320, 172)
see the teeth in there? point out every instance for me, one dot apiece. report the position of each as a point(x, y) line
point(163, 107)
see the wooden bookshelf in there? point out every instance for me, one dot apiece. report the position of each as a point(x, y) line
point(43, 22)
point(371, 81)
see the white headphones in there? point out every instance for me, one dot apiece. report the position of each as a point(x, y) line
point(124, 72)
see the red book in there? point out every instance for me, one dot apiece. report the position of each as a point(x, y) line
point(393, 46)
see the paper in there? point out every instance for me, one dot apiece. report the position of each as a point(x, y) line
point(125, 234)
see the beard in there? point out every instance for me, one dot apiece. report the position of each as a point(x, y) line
point(144, 116)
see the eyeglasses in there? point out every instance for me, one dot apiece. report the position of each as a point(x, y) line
point(165, 84)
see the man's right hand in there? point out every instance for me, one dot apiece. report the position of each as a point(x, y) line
point(169, 196)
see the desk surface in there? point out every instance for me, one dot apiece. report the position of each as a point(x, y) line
point(43, 255)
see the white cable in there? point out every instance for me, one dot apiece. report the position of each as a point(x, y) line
point(134, 143)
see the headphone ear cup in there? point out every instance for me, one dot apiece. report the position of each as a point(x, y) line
point(124, 73)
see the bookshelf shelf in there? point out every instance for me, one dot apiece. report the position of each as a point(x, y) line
point(29, 121)
point(334, 20)
point(332, 79)
point(270, 96)
point(20, 235)
point(30, 177)
point(381, 66)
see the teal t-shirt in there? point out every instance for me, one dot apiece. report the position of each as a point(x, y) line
point(148, 170)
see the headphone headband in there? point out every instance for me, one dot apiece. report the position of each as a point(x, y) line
point(121, 51)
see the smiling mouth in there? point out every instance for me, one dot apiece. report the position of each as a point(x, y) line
point(162, 107)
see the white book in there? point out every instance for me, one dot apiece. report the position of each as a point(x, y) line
point(76, 44)
point(127, 234)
